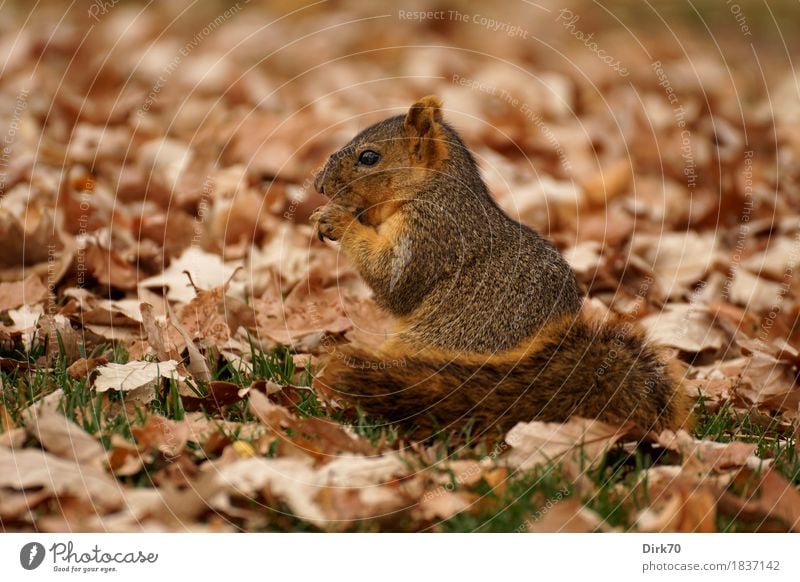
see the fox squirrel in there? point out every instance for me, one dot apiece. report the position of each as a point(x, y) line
point(490, 328)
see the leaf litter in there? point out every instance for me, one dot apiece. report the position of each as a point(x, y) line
point(164, 305)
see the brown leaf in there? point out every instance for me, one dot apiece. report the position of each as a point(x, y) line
point(769, 374)
point(109, 268)
point(318, 437)
point(678, 259)
point(63, 438)
point(679, 505)
point(442, 504)
point(158, 335)
point(710, 455)
point(567, 516)
point(299, 484)
point(124, 458)
point(82, 367)
point(162, 434)
point(207, 271)
point(688, 327)
point(582, 442)
point(204, 317)
point(609, 183)
point(771, 497)
point(18, 293)
point(220, 394)
point(33, 469)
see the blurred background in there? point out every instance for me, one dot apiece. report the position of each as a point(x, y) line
point(139, 129)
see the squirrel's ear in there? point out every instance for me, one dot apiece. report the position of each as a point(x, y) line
point(422, 124)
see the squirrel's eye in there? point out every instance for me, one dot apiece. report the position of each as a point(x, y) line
point(369, 158)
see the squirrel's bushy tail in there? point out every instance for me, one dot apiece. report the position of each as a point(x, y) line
point(573, 367)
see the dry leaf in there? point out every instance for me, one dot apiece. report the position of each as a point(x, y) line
point(678, 259)
point(63, 438)
point(133, 375)
point(579, 441)
point(688, 327)
point(679, 505)
point(19, 293)
point(207, 271)
point(162, 434)
point(32, 469)
point(567, 516)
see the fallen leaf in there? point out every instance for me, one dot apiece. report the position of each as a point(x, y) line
point(82, 367)
point(207, 271)
point(162, 434)
point(609, 183)
point(18, 293)
point(63, 438)
point(442, 504)
point(567, 516)
point(772, 497)
point(109, 268)
point(679, 505)
point(688, 327)
point(298, 483)
point(678, 259)
point(580, 441)
point(28, 469)
point(133, 375)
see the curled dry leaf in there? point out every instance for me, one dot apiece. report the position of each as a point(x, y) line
point(159, 334)
point(204, 317)
point(710, 455)
point(207, 271)
point(769, 375)
point(82, 367)
point(197, 366)
point(316, 436)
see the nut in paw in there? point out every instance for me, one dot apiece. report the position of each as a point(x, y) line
point(331, 221)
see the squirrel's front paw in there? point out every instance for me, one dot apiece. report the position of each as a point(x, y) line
point(330, 221)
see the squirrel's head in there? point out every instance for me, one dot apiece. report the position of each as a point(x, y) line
point(388, 160)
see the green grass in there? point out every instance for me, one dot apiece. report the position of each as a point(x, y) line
point(773, 440)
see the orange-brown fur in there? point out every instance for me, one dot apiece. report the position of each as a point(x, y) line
point(490, 329)
point(560, 373)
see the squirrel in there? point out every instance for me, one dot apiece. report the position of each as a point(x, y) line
point(490, 325)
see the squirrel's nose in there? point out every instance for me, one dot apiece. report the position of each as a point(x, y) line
point(318, 182)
